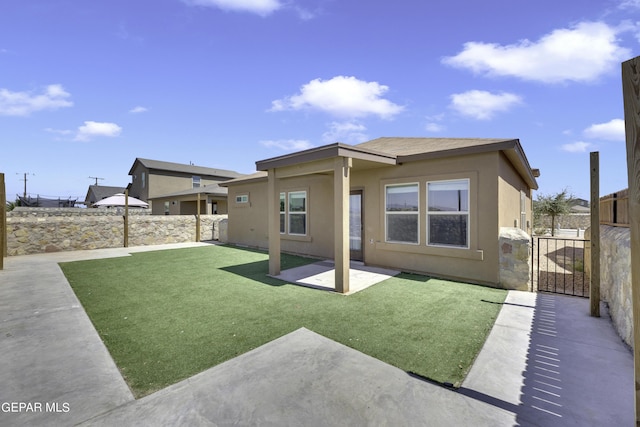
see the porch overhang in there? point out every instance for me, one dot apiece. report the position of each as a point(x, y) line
point(323, 156)
point(337, 160)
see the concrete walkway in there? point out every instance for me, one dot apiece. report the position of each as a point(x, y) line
point(546, 362)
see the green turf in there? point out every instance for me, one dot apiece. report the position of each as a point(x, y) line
point(167, 315)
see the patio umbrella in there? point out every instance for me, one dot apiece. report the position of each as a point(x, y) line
point(117, 200)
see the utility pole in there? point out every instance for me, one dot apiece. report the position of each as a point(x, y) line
point(96, 178)
point(25, 182)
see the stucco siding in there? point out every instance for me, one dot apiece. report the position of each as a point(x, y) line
point(478, 263)
point(510, 187)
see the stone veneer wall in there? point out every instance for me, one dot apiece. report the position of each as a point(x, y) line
point(38, 230)
point(570, 221)
point(515, 259)
point(615, 277)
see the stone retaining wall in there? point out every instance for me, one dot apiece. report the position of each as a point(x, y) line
point(570, 221)
point(615, 277)
point(515, 259)
point(52, 230)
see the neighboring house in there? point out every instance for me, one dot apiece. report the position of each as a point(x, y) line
point(580, 206)
point(426, 205)
point(99, 192)
point(173, 188)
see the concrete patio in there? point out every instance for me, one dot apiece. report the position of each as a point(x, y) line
point(321, 275)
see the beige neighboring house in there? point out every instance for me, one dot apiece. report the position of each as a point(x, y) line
point(174, 188)
point(425, 205)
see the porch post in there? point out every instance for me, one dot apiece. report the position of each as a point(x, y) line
point(631, 97)
point(341, 185)
point(273, 207)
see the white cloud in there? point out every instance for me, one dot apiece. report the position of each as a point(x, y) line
point(53, 97)
point(581, 53)
point(483, 105)
point(342, 97)
point(611, 131)
point(92, 129)
point(259, 7)
point(346, 132)
point(288, 144)
point(138, 109)
point(577, 147)
point(433, 123)
point(434, 127)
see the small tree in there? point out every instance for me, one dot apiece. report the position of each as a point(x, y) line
point(553, 205)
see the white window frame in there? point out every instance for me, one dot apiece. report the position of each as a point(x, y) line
point(195, 181)
point(283, 213)
point(467, 213)
point(387, 213)
point(242, 198)
point(523, 211)
point(297, 213)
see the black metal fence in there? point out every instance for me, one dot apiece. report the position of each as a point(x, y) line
point(559, 266)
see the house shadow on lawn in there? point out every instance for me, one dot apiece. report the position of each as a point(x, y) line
point(574, 371)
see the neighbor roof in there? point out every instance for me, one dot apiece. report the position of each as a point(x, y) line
point(179, 167)
point(210, 189)
point(102, 192)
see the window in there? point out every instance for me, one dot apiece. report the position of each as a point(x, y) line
point(401, 213)
point(143, 177)
point(167, 207)
point(195, 179)
point(242, 198)
point(282, 213)
point(298, 212)
point(448, 213)
point(523, 211)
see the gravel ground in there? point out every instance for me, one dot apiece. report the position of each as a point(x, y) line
point(561, 266)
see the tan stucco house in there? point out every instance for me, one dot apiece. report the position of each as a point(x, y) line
point(174, 188)
point(426, 205)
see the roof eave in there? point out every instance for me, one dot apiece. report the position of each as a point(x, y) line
point(325, 152)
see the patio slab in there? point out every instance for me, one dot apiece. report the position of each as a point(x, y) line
point(321, 275)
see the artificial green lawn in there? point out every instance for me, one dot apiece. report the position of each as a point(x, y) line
point(167, 315)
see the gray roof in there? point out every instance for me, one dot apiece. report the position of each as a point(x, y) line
point(209, 189)
point(102, 192)
point(244, 179)
point(179, 167)
point(402, 146)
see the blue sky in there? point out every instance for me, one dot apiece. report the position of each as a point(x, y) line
point(88, 86)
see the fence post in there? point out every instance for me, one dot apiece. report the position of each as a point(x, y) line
point(594, 287)
point(198, 219)
point(3, 221)
point(631, 96)
point(126, 218)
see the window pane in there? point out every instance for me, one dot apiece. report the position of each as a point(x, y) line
point(282, 223)
point(298, 201)
point(449, 196)
point(282, 204)
point(450, 230)
point(402, 228)
point(196, 181)
point(402, 198)
point(297, 223)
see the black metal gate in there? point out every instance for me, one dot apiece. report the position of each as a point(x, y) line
point(559, 266)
